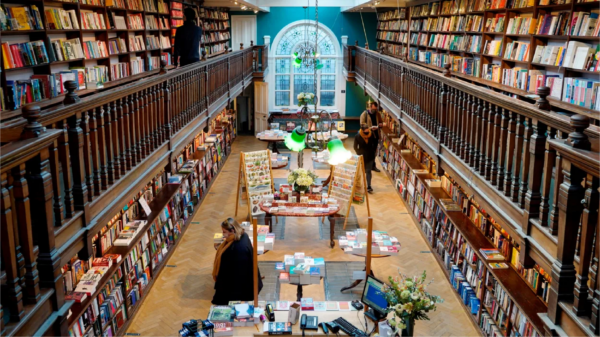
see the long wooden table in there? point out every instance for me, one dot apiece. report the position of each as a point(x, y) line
point(324, 316)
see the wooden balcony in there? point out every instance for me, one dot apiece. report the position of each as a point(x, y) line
point(67, 169)
point(533, 169)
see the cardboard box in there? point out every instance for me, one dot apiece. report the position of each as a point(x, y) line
point(294, 313)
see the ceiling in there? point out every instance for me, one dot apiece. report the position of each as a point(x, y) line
point(265, 5)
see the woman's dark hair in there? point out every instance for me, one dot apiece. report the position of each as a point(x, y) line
point(190, 14)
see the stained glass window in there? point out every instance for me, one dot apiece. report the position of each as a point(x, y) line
point(301, 33)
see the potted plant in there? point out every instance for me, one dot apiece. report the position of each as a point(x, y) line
point(301, 179)
point(409, 301)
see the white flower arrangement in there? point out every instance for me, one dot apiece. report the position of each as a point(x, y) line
point(302, 179)
point(305, 98)
point(409, 301)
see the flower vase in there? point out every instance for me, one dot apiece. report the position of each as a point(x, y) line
point(409, 331)
point(300, 189)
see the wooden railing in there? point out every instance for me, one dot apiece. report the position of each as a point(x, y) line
point(504, 151)
point(68, 169)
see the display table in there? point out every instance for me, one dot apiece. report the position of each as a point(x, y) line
point(271, 143)
point(324, 316)
point(299, 290)
point(331, 215)
point(357, 282)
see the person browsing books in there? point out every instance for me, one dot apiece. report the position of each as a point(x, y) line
point(233, 270)
point(365, 144)
point(372, 118)
point(187, 40)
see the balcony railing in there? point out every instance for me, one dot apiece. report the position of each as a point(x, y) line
point(66, 170)
point(506, 152)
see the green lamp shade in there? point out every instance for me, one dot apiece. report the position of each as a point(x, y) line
point(295, 140)
point(337, 152)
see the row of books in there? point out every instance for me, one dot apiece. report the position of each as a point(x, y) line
point(206, 13)
point(390, 15)
point(521, 25)
point(25, 54)
point(20, 18)
point(58, 18)
point(19, 55)
point(92, 20)
point(466, 65)
point(469, 23)
point(517, 51)
point(495, 24)
point(393, 25)
point(215, 37)
point(215, 25)
point(392, 49)
point(152, 22)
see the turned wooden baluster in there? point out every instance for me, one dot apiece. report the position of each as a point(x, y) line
point(518, 157)
point(458, 112)
point(56, 192)
point(451, 121)
point(570, 211)
point(20, 258)
point(167, 109)
point(120, 130)
point(483, 158)
point(160, 101)
point(443, 114)
point(95, 153)
point(126, 121)
point(489, 142)
point(20, 192)
point(464, 125)
point(141, 112)
point(135, 129)
point(14, 294)
point(87, 154)
point(503, 149)
point(581, 304)
point(595, 316)
point(537, 145)
point(474, 133)
point(495, 145)
point(510, 148)
point(526, 160)
point(549, 162)
point(153, 117)
point(76, 147)
point(40, 195)
point(108, 130)
point(102, 149)
point(475, 155)
point(469, 130)
point(65, 163)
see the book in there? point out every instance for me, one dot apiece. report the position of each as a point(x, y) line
point(500, 265)
point(223, 329)
point(278, 328)
point(221, 313)
point(244, 310)
point(491, 254)
point(282, 306)
point(320, 306)
point(307, 303)
point(332, 306)
point(344, 306)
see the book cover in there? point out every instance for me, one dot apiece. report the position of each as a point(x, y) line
point(344, 306)
point(220, 313)
point(320, 306)
point(332, 306)
point(282, 306)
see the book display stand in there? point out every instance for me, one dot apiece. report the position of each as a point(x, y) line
point(256, 171)
point(345, 179)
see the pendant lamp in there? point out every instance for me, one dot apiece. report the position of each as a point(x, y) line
point(295, 140)
point(337, 152)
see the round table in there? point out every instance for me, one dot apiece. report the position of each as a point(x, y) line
point(300, 289)
point(271, 143)
point(332, 215)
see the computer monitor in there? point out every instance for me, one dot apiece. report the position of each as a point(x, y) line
point(374, 297)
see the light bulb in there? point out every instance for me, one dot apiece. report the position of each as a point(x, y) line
point(235, 2)
point(255, 11)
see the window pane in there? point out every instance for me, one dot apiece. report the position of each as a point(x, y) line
point(304, 68)
point(327, 82)
point(282, 98)
point(328, 66)
point(283, 66)
point(282, 82)
point(327, 98)
point(303, 83)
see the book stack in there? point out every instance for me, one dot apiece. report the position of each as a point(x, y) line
point(58, 18)
point(92, 20)
point(300, 269)
point(355, 242)
point(94, 49)
point(584, 24)
point(136, 43)
point(553, 24)
point(153, 42)
point(135, 21)
point(119, 70)
point(491, 254)
point(67, 50)
point(129, 233)
point(18, 55)
point(20, 18)
point(517, 51)
point(117, 46)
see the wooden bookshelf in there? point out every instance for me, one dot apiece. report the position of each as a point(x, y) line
point(105, 10)
point(216, 29)
point(210, 163)
point(418, 12)
point(456, 233)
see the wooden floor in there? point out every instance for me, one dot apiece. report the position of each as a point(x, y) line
point(184, 290)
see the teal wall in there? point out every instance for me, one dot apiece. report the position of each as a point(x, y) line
point(348, 24)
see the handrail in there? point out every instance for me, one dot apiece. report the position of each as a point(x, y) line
point(550, 118)
point(60, 112)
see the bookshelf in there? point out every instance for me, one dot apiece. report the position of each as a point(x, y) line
point(499, 301)
point(97, 43)
point(217, 32)
point(123, 287)
point(458, 33)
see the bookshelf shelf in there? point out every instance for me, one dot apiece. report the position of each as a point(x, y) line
point(21, 32)
point(27, 67)
point(509, 280)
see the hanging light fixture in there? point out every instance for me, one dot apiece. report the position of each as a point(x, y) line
point(337, 152)
point(295, 140)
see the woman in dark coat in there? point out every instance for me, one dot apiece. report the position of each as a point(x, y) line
point(233, 267)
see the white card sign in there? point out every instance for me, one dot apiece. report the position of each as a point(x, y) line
point(145, 206)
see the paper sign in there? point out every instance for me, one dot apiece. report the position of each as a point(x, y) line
point(145, 206)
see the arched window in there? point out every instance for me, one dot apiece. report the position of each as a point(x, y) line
point(291, 79)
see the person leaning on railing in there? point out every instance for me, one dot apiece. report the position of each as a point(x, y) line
point(187, 40)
